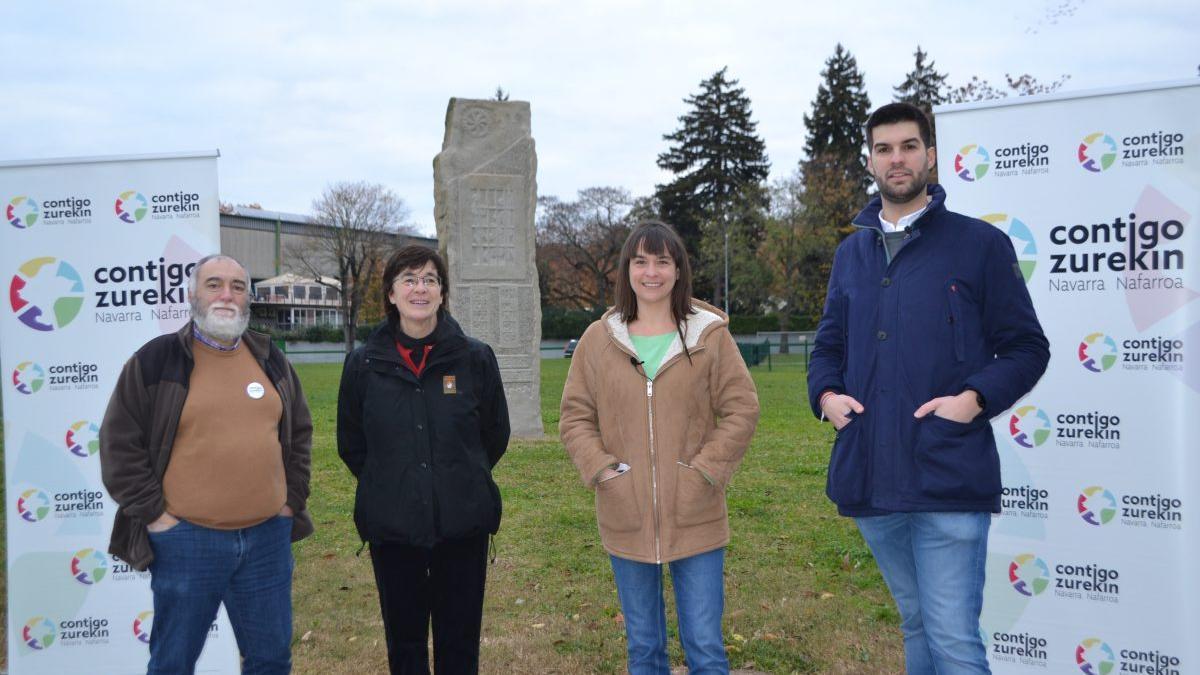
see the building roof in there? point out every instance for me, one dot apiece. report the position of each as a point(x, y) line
point(293, 279)
point(263, 214)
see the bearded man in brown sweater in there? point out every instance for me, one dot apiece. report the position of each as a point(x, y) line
point(205, 448)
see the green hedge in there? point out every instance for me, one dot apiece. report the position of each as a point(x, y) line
point(749, 324)
point(565, 324)
point(313, 333)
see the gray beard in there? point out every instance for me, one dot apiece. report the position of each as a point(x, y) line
point(226, 330)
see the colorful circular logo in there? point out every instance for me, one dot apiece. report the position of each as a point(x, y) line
point(1028, 574)
point(1097, 506)
point(83, 439)
point(28, 377)
point(131, 206)
point(89, 566)
point(1029, 426)
point(33, 505)
point(1095, 657)
point(972, 162)
point(46, 283)
point(1097, 152)
point(142, 625)
point(38, 633)
point(22, 212)
point(1098, 352)
point(1022, 240)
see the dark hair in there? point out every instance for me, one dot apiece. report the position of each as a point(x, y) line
point(655, 237)
point(893, 113)
point(412, 257)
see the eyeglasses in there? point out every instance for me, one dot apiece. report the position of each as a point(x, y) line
point(410, 281)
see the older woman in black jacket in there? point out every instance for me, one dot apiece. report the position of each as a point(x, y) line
point(422, 419)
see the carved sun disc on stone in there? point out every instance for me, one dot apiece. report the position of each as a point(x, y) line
point(477, 122)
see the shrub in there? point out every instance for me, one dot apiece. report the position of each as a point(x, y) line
point(565, 324)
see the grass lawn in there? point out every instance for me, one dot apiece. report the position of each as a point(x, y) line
point(802, 593)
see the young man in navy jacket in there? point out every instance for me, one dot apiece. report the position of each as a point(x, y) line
point(928, 332)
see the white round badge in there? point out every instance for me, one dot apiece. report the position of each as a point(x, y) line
point(255, 390)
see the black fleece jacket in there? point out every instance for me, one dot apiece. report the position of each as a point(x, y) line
point(423, 447)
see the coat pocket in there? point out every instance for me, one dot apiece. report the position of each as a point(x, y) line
point(616, 504)
point(468, 502)
point(955, 460)
point(696, 500)
point(954, 296)
point(849, 461)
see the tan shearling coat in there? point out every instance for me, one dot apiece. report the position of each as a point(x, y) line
point(682, 434)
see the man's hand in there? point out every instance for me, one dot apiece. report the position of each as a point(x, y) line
point(837, 408)
point(287, 512)
point(962, 408)
point(163, 523)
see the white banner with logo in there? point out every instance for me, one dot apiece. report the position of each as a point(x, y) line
point(95, 253)
point(1092, 566)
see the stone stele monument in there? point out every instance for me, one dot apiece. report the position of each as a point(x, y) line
point(485, 192)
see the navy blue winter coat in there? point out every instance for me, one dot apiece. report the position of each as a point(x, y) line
point(950, 312)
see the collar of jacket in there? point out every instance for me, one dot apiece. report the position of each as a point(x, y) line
point(704, 318)
point(258, 343)
point(448, 336)
point(868, 218)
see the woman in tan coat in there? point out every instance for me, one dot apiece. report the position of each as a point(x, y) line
point(657, 411)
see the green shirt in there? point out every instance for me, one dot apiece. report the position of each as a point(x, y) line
point(651, 349)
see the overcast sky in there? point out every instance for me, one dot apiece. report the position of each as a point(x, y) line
point(299, 94)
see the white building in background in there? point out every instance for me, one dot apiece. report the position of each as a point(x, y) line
point(289, 301)
point(263, 241)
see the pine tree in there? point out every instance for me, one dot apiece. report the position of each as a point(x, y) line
point(715, 156)
point(924, 87)
point(835, 128)
point(834, 179)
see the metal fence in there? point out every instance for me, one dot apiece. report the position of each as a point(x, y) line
point(777, 349)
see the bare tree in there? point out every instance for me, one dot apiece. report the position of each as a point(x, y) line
point(981, 90)
point(579, 246)
point(361, 221)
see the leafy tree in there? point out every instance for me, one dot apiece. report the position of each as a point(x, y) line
point(828, 202)
point(835, 127)
point(579, 246)
point(715, 154)
point(360, 222)
point(746, 224)
point(783, 252)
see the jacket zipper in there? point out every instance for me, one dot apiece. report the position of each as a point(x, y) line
point(653, 455)
point(653, 470)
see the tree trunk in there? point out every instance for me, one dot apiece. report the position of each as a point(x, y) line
point(348, 327)
point(784, 316)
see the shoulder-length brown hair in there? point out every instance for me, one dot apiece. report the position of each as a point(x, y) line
point(655, 237)
point(412, 257)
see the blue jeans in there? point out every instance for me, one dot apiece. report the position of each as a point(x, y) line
point(933, 564)
point(699, 603)
point(195, 569)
